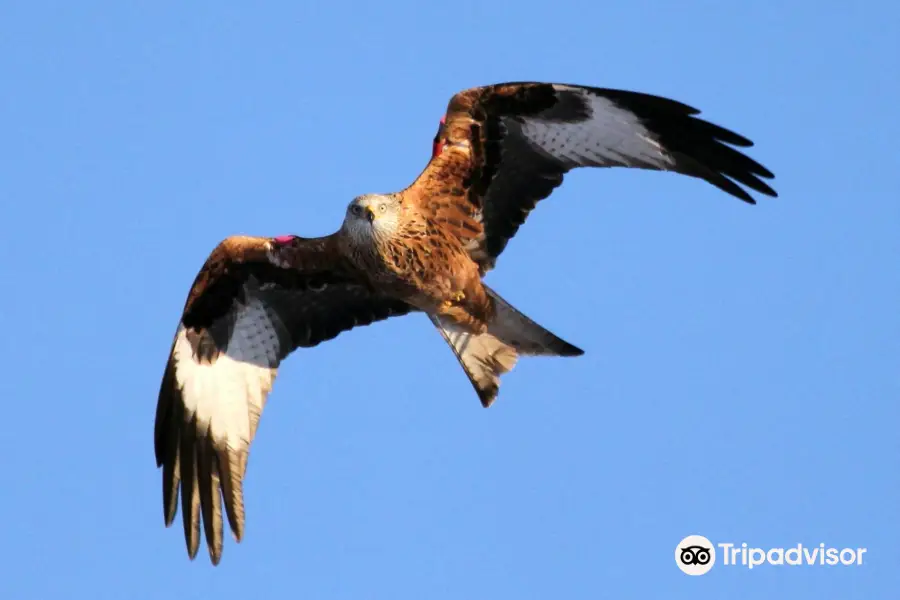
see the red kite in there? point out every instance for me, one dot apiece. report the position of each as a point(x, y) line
point(499, 150)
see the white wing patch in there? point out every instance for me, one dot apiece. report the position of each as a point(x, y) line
point(228, 394)
point(611, 136)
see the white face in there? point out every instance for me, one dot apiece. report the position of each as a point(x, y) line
point(372, 216)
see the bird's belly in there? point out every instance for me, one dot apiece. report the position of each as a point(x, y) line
point(424, 273)
point(387, 277)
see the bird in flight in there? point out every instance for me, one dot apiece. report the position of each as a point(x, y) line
point(499, 150)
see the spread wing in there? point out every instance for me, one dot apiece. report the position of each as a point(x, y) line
point(254, 301)
point(503, 148)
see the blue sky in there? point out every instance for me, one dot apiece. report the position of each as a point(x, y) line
point(740, 376)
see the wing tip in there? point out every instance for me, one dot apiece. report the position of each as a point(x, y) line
point(170, 511)
point(709, 146)
point(193, 545)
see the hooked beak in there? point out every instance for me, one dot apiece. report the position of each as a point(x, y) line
point(370, 214)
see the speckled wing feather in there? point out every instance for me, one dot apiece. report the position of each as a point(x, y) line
point(244, 314)
point(503, 148)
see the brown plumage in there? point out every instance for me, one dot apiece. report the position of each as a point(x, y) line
point(243, 316)
point(254, 301)
point(502, 148)
point(499, 151)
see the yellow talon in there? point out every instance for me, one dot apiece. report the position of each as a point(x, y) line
point(455, 298)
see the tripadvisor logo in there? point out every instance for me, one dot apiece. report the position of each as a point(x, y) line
point(696, 555)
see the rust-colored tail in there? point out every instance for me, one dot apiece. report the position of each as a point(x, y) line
point(485, 357)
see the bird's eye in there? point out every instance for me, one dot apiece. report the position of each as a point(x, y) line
point(355, 209)
point(382, 207)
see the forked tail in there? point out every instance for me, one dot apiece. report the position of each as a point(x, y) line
point(485, 357)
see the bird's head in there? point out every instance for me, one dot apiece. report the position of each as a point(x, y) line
point(372, 216)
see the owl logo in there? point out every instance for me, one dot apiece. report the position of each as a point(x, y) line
point(695, 555)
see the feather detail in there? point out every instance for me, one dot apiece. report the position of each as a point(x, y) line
point(506, 147)
point(244, 315)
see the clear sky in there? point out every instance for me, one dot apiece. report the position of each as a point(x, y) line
point(740, 379)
